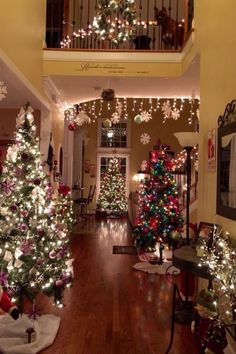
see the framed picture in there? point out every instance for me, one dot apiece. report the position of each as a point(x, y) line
point(211, 150)
point(205, 233)
point(86, 166)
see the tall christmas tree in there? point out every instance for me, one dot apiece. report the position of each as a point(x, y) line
point(112, 198)
point(159, 218)
point(34, 250)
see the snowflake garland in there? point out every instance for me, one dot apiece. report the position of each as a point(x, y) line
point(3, 90)
point(145, 138)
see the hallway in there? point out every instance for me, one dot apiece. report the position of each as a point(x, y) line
point(112, 309)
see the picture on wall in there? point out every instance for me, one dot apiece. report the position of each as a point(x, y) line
point(86, 166)
point(211, 150)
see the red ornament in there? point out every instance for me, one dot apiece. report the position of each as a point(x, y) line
point(71, 126)
point(63, 190)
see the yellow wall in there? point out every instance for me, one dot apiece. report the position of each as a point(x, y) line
point(22, 34)
point(216, 42)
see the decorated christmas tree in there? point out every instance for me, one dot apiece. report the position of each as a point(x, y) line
point(34, 250)
point(159, 219)
point(112, 198)
point(115, 20)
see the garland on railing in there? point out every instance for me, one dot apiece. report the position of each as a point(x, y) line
point(123, 27)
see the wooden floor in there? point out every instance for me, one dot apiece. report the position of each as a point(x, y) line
point(113, 309)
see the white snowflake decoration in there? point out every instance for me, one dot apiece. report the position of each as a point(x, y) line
point(175, 113)
point(82, 118)
point(119, 108)
point(146, 116)
point(145, 138)
point(115, 118)
point(166, 109)
point(3, 90)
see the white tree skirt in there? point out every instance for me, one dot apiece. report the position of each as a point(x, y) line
point(156, 268)
point(12, 334)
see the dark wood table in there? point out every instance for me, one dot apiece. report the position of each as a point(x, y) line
point(185, 258)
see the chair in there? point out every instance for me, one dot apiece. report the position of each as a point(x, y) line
point(92, 195)
point(84, 202)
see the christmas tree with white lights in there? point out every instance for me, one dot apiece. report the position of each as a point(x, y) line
point(159, 219)
point(115, 20)
point(112, 197)
point(34, 249)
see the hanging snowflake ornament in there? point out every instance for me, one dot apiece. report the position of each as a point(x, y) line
point(145, 138)
point(146, 116)
point(3, 90)
point(175, 113)
point(166, 109)
point(115, 118)
point(119, 108)
point(82, 118)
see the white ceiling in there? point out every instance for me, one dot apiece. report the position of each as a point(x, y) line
point(75, 89)
point(68, 90)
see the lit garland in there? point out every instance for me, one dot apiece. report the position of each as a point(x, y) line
point(88, 32)
point(112, 198)
point(181, 157)
point(144, 107)
point(220, 259)
point(34, 250)
point(119, 30)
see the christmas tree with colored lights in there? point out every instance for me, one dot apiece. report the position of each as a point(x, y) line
point(34, 227)
point(159, 219)
point(112, 197)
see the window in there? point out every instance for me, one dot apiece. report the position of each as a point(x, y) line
point(115, 136)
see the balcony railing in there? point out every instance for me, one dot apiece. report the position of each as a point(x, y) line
point(161, 25)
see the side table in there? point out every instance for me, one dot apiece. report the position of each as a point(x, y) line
point(185, 259)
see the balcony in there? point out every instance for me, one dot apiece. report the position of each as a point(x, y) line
point(159, 25)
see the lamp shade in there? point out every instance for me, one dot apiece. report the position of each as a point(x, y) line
point(187, 138)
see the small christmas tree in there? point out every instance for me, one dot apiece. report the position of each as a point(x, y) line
point(34, 252)
point(112, 198)
point(159, 218)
